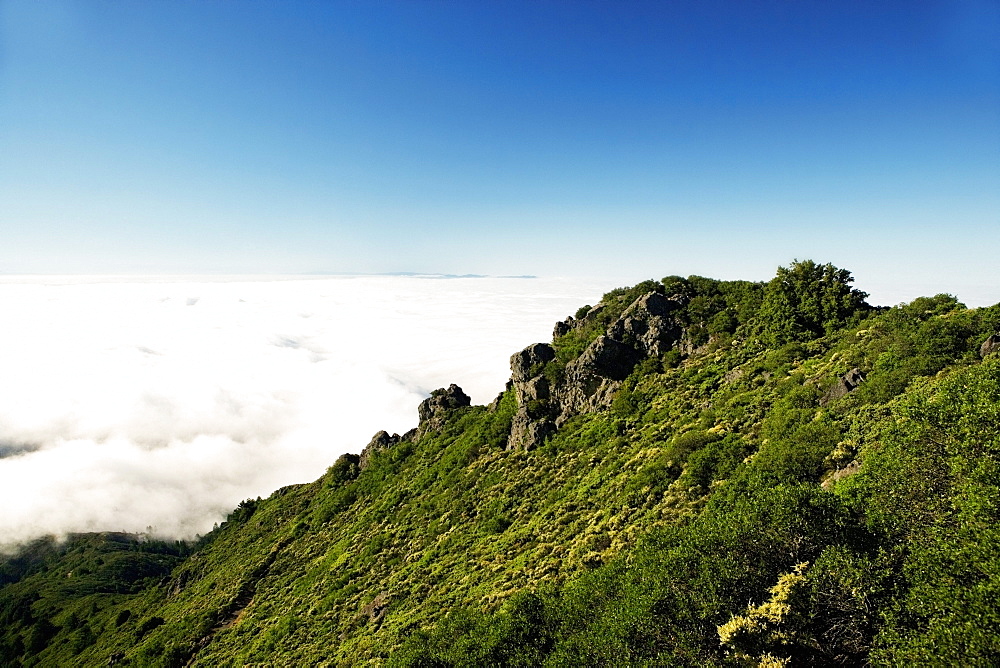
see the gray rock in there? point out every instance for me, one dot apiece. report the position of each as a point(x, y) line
point(441, 401)
point(990, 345)
point(523, 363)
point(527, 433)
point(536, 389)
point(689, 347)
point(592, 379)
point(647, 324)
point(434, 410)
point(734, 375)
point(594, 312)
point(380, 442)
point(852, 379)
point(590, 382)
point(653, 304)
point(378, 608)
point(845, 384)
point(607, 358)
point(494, 405)
point(530, 425)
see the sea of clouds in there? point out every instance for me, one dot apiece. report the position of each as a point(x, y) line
point(156, 405)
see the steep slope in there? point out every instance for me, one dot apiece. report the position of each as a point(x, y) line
point(679, 449)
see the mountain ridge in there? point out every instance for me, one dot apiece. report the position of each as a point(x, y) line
point(677, 450)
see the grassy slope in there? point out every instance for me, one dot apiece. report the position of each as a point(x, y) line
point(624, 523)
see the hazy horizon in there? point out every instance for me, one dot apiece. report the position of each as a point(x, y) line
point(884, 288)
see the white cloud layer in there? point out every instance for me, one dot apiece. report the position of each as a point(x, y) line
point(127, 403)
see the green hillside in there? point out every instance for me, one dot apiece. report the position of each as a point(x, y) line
point(693, 472)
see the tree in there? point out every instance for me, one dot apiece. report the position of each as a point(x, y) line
point(807, 300)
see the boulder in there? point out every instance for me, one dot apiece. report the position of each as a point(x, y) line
point(990, 345)
point(845, 384)
point(441, 401)
point(434, 410)
point(595, 311)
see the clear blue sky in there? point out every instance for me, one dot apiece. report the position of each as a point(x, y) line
point(620, 139)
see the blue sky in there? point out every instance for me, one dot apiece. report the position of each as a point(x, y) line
point(618, 139)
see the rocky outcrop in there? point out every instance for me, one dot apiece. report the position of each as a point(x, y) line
point(607, 358)
point(434, 410)
point(591, 380)
point(526, 364)
point(845, 384)
point(570, 323)
point(990, 346)
point(648, 326)
point(531, 391)
point(380, 442)
point(531, 424)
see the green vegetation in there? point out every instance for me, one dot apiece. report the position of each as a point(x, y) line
point(806, 301)
point(735, 503)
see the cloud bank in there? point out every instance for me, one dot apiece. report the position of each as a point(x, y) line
point(157, 405)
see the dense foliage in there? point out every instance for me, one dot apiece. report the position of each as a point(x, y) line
point(737, 503)
point(806, 301)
